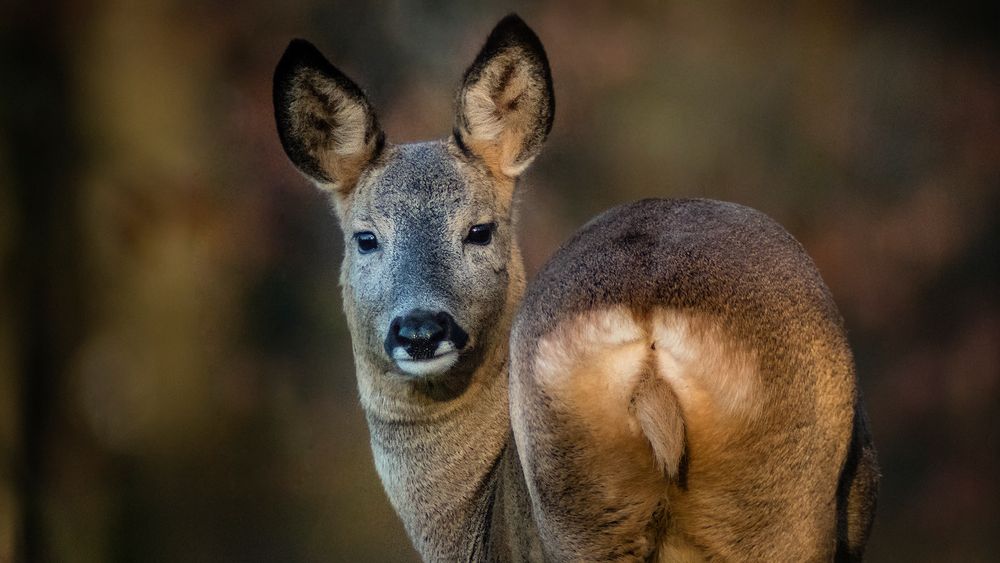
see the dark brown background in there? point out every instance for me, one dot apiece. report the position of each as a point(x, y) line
point(176, 381)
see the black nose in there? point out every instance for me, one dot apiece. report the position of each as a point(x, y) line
point(420, 332)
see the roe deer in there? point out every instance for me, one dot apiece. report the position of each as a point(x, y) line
point(675, 386)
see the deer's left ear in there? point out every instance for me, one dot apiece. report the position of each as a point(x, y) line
point(505, 105)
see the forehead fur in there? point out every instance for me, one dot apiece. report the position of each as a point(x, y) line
point(420, 170)
point(428, 178)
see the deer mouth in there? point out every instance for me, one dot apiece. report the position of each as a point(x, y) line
point(440, 361)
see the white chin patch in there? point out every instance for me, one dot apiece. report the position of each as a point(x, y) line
point(433, 366)
point(444, 357)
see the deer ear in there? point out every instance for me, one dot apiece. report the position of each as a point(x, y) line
point(505, 105)
point(326, 125)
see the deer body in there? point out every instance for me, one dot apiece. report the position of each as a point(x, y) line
point(675, 385)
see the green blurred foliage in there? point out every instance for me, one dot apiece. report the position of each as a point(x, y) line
point(176, 381)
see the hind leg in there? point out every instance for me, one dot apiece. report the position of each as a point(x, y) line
point(858, 492)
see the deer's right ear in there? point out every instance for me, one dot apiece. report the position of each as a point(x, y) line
point(326, 125)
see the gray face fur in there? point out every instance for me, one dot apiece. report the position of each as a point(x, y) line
point(428, 299)
point(420, 205)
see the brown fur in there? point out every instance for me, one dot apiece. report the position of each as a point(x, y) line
point(747, 336)
point(676, 385)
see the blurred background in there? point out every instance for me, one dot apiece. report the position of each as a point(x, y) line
point(176, 382)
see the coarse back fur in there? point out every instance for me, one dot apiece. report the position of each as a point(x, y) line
point(675, 385)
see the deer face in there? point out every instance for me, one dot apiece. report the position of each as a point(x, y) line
point(431, 267)
point(426, 266)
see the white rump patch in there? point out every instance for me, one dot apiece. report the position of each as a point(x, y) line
point(610, 342)
point(710, 373)
point(597, 359)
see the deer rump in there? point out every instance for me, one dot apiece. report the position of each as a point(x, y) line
point(681, 388)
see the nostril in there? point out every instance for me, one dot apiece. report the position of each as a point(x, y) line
point(426, 330)
point(455, 333)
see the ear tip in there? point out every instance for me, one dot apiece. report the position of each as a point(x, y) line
point(299, 47)
point(299, 43)
point(301, 54)
point(512, 29)
point(511, 20)
point(298, 53)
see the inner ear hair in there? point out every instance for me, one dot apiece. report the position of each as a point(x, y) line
point(506, 105)
point(326, 124)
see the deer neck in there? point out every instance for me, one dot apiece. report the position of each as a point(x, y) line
point(448, 463)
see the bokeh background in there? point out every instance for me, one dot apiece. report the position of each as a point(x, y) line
point(176, 382)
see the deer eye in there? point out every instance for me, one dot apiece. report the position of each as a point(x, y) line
point(366, 242)
point(480, 234)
